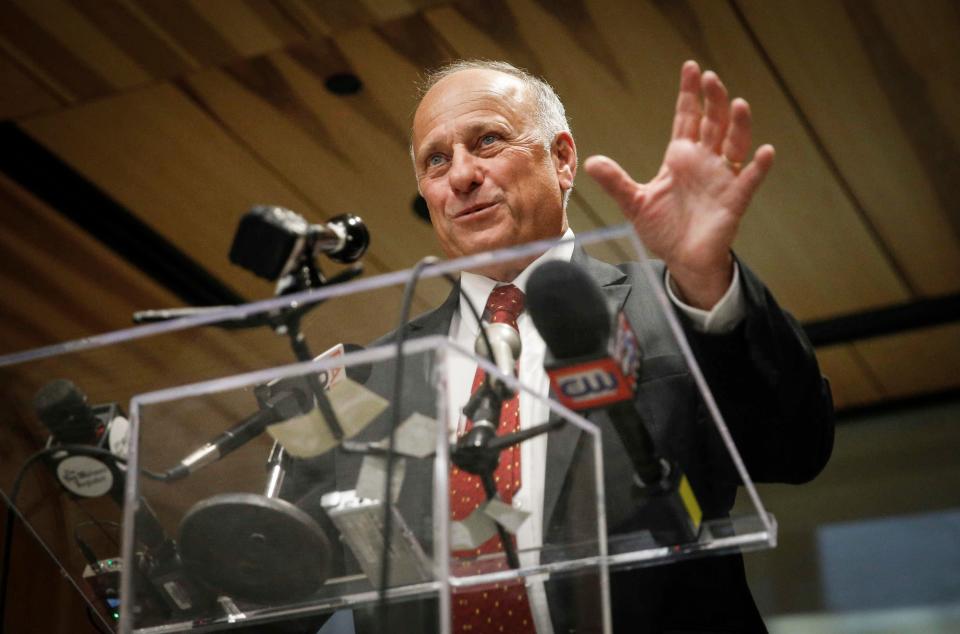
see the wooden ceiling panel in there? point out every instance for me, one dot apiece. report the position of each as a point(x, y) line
point(802, 233)
point(297, 145)
point(366, 167)
point(925, 34)
point(874, 81)
point(850, 382)
point(916, 362)
point(22, 94)
point(383, 10)
point(157, 153)
point(139, 36)
point(249, 28)
point(391, 60)
point(46, 58)
point(83, 39)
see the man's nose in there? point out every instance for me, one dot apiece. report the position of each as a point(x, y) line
point(465, 171)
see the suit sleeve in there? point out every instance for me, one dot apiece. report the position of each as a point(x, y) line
point(766, 381)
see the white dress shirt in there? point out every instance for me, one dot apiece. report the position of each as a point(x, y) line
point(533, 453)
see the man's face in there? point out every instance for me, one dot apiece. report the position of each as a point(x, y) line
point(481, 165)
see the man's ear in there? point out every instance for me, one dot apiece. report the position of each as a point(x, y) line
point(564, 155)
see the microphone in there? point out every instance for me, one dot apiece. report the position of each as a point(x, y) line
point(64, 411)
point(271, 241)
point(591, 369)
point(63, 408)
point(595, 363)
point(505, 341)
point(471, 452)
point(279, 401)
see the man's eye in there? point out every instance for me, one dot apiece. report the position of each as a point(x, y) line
point(435, 159)
point(487, 139)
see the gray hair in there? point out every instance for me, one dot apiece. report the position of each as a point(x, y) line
point(549, 114)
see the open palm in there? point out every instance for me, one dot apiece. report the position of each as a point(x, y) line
point(689, 213)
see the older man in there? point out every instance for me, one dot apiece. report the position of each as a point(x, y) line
point(495, 160)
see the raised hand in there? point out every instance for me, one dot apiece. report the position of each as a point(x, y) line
point(688, 215)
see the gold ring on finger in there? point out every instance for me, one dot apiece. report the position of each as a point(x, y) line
point(735, 166)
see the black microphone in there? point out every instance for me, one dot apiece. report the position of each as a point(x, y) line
point(64, 409)
point(271, 240)
point(591, 370)
point(279, 401)
point(71, 420)
point(595, 364)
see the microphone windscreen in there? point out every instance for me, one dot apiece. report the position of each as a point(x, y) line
point(568, 309)
point(63, 408)
point(357, 238)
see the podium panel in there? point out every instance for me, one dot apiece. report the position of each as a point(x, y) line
point(249, 490)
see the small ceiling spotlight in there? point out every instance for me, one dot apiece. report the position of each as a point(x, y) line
point(343, 84)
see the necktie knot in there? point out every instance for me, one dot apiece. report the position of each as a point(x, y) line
point(504, 305)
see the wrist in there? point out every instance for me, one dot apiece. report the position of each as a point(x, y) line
point(702, 288)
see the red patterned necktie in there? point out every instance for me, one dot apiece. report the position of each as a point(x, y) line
point(502, 607)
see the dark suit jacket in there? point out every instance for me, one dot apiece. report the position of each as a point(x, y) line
point(777, 406)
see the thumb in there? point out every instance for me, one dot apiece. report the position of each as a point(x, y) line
point(615, 181)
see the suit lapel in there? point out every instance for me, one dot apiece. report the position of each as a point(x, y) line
point(438, 320)
point(562, 443)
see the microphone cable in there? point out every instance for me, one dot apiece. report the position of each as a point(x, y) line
point(405, 307)
point(15, 492)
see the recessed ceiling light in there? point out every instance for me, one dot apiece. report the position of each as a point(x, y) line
point(343, 84)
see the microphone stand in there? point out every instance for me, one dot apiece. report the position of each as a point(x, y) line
point(478, 452)
point(306, 275)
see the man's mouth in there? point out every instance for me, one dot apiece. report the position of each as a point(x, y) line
point(473, 209)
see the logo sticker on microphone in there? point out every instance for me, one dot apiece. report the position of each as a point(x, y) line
point(590, 384)
point(85, 476)
point(607, 378)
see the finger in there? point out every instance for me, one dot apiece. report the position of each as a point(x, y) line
point(686, 119)
point(716, 111)
point(753, 174)
point(736, 144)
point(614, 180)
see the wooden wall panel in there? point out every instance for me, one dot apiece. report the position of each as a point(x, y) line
point(877, 83)
point(49, 293)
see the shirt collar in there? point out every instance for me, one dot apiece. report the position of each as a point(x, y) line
point(478, 287)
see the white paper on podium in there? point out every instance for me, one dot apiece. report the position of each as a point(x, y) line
point(309, 435)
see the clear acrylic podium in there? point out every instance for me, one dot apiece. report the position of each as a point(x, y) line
point(261, 536)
